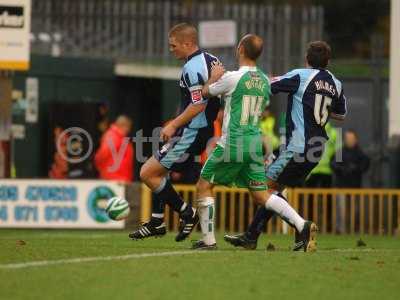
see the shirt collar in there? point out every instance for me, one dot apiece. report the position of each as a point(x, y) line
point(197, 52)
point(248, 68)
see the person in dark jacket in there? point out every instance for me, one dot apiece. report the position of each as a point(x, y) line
point(353, 163)
point(348, 165)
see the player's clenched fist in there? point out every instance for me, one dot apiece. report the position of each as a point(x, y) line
point(168, 132)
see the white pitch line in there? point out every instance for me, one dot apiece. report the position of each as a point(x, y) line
point(363, 250)
point(96, 258)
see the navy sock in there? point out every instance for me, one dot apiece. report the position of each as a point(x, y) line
point(156, 221)
point(166, 194)
point(261, 217)
point(158, 205)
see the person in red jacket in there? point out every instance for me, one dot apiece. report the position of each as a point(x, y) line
point(114, 158)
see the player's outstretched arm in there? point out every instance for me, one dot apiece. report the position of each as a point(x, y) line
point(217, 71)
point(288, 83)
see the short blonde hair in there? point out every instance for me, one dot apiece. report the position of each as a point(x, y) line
point(184, 32)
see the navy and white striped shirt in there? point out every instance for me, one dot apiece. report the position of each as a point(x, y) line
point(313, 95)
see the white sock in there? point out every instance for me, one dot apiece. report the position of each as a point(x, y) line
point(158, 216)
point(183, 207)
point(206, 211)
point(285, 211)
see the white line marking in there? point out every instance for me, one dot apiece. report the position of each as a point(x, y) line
point(96, 258)
point(359, 250)
point(78, 260)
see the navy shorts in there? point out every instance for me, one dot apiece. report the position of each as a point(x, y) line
point(182, 151)
point(291, 168)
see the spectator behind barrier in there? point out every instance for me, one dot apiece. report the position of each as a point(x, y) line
point(349, 171)
point(112, 145)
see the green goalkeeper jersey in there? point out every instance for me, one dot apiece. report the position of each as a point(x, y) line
point(246, 93)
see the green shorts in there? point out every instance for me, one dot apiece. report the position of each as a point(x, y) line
point(248, 173)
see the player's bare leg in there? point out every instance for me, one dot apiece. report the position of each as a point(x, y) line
point(152, 173)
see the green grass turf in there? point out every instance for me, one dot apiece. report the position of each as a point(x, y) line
point(339, 270)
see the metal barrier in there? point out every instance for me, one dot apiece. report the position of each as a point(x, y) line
point(138, 29)
point(362, 211)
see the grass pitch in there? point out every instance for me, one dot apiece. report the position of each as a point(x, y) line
point(84, 265)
